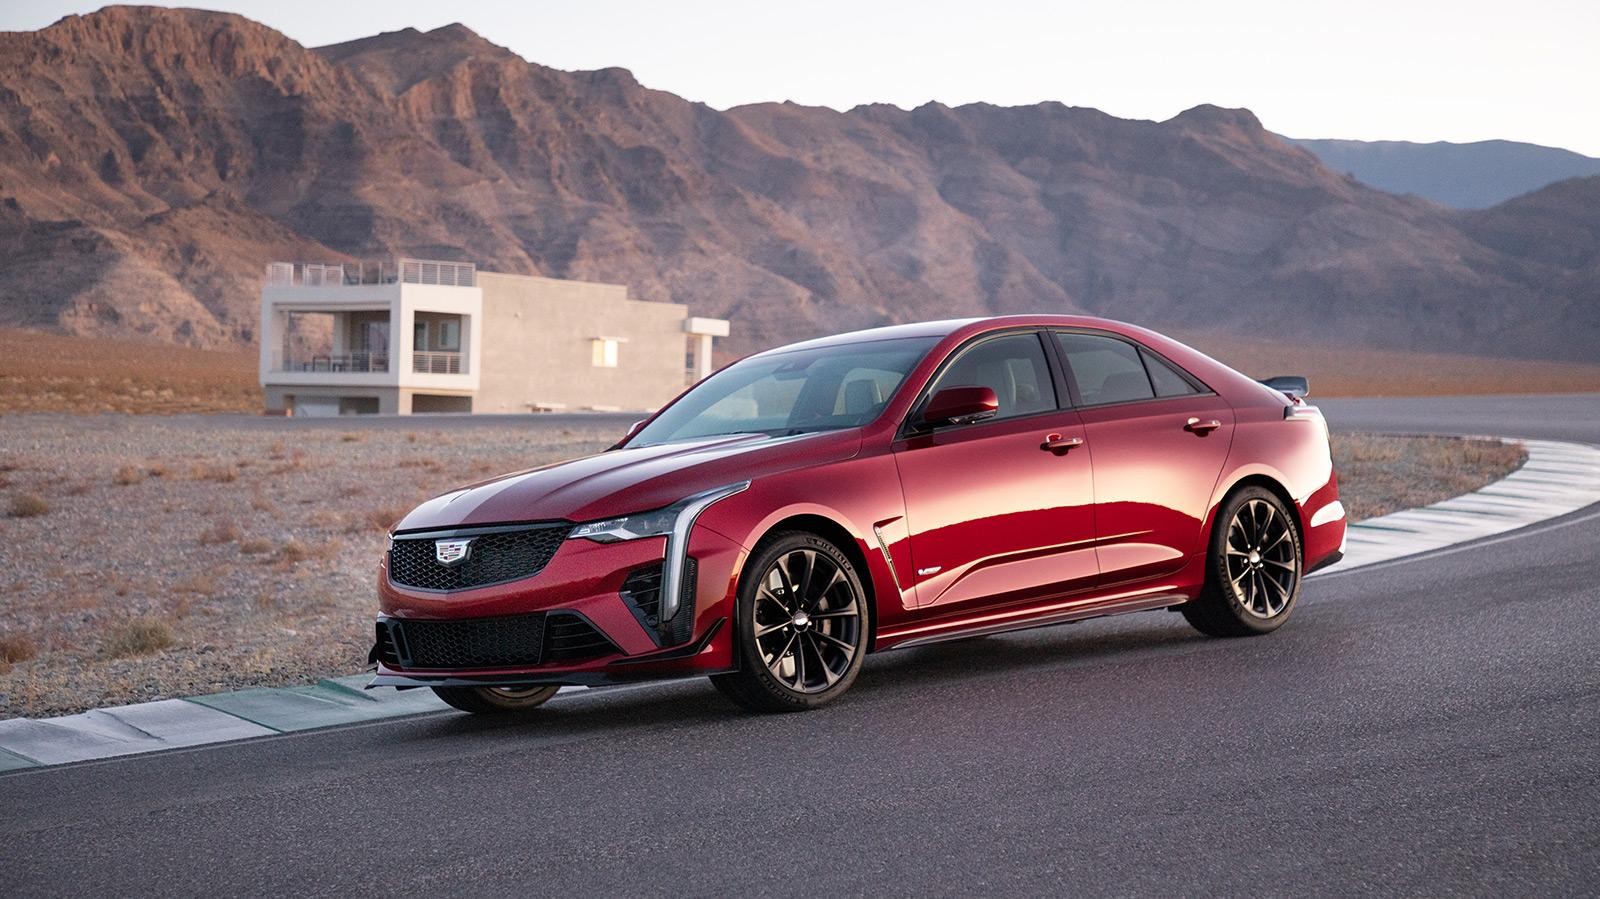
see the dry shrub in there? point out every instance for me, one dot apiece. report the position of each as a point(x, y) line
point(255, 546)
point(352, 490)
point(260, 503)
point(294, 551)
point(137, 637)
point(157, 470)
point(266, 602)
point(385, 518)
point(127, 476)
point(221, 474)
point(203, 584)
point(78, 489)
point(276, 451)
point(16, 648)
point(352, 437)
point(4, 481)
point(325, 519)
point(28, 505)
point(1367, 448)
point(219, 532)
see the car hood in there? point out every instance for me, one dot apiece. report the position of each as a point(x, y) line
point(619, 482)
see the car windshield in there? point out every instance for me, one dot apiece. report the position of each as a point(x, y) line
point(795, 392)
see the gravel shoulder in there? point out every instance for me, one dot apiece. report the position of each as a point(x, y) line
point(162, 557)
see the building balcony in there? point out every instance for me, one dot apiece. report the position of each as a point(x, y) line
point(422, 363)
point(437, 363)
point(348, 362)
point(356, 274)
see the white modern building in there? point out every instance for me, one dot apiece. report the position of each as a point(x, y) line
point(422, 336)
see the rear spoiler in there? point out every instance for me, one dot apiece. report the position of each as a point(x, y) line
point(1294, 387)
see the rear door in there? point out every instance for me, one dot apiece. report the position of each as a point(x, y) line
point(994, 515)
point(1158, 438)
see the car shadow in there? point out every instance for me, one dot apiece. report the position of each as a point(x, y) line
point(637, 708)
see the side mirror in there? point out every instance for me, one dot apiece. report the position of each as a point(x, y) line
point(961, 405)
point(1294, 385)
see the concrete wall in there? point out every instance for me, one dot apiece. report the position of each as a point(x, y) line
point(538, 346)
point(280, 398)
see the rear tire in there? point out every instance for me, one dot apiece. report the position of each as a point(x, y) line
point(800, 633)
point(496, 700)
point(1253, 569)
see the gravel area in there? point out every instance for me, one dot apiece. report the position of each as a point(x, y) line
point(175, 557)
point(160, 557)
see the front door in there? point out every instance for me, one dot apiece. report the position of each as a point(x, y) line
point(1159, 440)
point(994, 516)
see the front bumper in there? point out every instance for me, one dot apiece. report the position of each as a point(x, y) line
point(584, 618)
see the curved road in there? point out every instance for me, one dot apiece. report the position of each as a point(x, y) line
point(1426, 726)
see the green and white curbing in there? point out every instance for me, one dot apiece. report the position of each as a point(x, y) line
point(1557, 479)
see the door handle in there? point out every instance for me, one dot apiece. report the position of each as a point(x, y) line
point(1055, 443)
point(1196, 426)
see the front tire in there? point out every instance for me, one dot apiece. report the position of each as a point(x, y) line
point(496, 700)
point(1253, 569)
point(801, 627)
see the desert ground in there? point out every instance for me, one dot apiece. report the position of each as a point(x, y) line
point(169, 556)
point(54, 373)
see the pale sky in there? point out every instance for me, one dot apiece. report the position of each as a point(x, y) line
point(1459, 70)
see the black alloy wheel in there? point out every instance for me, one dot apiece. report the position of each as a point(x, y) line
point(802, 626)
point(1254, 571)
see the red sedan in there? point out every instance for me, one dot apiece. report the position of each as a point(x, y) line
point(888, 488)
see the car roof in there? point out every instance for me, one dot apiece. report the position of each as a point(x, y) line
point(946, 327)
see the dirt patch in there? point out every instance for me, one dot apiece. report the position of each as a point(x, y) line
point(246, 553)
point(53, 373)
point(249, 560)
point(1379, 475)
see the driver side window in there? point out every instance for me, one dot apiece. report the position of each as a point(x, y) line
point(1013, 366)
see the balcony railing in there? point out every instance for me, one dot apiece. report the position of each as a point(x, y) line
point(348, 362)
point(351, 274)
point(436, 363)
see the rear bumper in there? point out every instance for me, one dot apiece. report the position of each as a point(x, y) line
point(583, 619)
point(1323, 526)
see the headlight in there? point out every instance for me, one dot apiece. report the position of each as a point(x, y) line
point(629, 527)
point(673, 522)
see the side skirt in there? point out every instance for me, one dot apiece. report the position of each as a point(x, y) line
point(982, 627)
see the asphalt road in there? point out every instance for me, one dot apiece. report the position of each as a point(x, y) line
point(1428, 726)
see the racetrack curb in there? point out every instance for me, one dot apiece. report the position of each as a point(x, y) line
point(1558, 478)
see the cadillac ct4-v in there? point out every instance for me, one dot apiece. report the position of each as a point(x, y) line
point(871, 491)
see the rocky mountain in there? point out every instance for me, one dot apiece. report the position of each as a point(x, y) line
point(152, 160)
point(1463, 176)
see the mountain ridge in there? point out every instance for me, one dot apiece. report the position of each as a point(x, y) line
point(151, 160)
point(1472, 175)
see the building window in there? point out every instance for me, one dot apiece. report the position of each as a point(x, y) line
point(450, 335)
point(605, 352)
point(419, 337)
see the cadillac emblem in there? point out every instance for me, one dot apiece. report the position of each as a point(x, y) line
point(452, 552)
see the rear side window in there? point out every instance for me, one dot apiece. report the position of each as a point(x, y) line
point(1166, 381)
point(1013, 366)
point(1107, 370)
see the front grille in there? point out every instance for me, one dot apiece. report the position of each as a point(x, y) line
point(512, 641)
point(492, 558)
